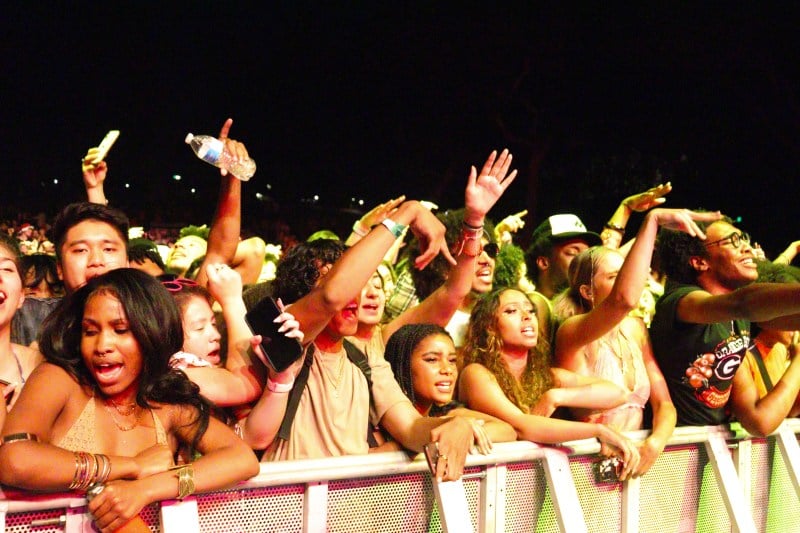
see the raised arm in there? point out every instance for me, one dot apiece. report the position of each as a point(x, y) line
point(787, 256)
point(223, 237)
point(579, 330)
point(353, 269)
point(614, 229)
point(482, 192)
point(94, 177)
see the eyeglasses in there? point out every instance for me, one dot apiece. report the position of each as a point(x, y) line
point(491, 249)
point(177, 284)
point(736, 239)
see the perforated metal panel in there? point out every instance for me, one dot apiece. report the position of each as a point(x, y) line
point(274, 509)
point(403, 503)
point(601, 503)
point(774, 492)
point(21, 522)
point(528, 503)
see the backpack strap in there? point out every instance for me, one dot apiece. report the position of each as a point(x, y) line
point(358, 358)
point(294, 396)
point(756, 353)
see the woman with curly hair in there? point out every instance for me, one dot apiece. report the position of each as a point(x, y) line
point(105, 408)
point(507, 375)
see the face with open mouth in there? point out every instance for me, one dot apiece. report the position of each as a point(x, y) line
point(373, 300)
point(345, 322)
point(732, 266)
point(200, 334)
point(516, 321)
point(433, 371)
point(110, 350)
point(185, 251)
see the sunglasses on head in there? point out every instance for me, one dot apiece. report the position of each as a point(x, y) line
point(177, 284)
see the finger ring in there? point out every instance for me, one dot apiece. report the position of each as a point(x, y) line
point(443, 456)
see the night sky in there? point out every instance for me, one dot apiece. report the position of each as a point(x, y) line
point(370, 102)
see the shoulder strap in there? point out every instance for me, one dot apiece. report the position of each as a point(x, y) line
point(358, 358)
point(756, 352)
point(294, 396)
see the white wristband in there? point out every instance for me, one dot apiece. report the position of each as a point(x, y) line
point(280, 388)
point(395, 228)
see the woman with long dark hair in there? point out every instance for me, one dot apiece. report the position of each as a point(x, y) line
point(105, 408)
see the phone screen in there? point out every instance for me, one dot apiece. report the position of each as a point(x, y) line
point(281, 351)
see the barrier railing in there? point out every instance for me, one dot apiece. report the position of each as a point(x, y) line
point(707, 479)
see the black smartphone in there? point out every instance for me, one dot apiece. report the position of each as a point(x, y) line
point(281, 351)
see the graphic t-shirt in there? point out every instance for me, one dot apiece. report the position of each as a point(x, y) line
point(698, 360)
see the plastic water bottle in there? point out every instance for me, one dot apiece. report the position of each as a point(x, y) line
point(212, 150)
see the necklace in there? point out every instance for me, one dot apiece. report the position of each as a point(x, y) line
point(336, 380)
point(121, 425)
point(124, 410)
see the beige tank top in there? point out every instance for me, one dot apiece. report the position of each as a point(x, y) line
point(81, 436)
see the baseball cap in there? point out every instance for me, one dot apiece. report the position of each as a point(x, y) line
point(563, 227)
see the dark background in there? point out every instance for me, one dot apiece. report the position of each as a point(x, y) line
point(365, 103)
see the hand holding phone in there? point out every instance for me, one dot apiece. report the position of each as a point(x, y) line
point(281, 351)
point(105, 145)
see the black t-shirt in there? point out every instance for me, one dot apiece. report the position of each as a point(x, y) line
point(698, 360)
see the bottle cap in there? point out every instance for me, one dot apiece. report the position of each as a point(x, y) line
point(189, 137)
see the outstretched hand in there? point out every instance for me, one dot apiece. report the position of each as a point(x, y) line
point(94, 173)
point(648, 199)
point(430, 232)
point(684, 220)
point(484, 189)
point(376, 215)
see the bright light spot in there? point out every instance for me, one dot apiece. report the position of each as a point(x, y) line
point(176, 177)
point(193, 190)
point(55, 181)
point(361, 202)
point(352, 199)
point(316, 197)
point(259, 196)
point(127, 185)
point(269, 187)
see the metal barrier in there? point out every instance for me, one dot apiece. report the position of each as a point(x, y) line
point(707, 479)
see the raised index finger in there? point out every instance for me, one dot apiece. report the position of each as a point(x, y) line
point(226, 127)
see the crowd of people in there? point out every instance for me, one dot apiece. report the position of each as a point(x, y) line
point(130, 366)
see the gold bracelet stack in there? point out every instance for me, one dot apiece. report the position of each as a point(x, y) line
point(185, 481)
point(90, 469)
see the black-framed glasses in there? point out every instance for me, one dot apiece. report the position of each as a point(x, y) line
point(177, 284)
point(736, 239)
point(491, 249)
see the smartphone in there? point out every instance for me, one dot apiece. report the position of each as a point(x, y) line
point(105, 145)
point(432, 455)
point(281, 351)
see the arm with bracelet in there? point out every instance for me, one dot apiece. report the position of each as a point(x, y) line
point(480, 195)
point(614, 229)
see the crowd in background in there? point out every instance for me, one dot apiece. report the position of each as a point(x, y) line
point(128, 361)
